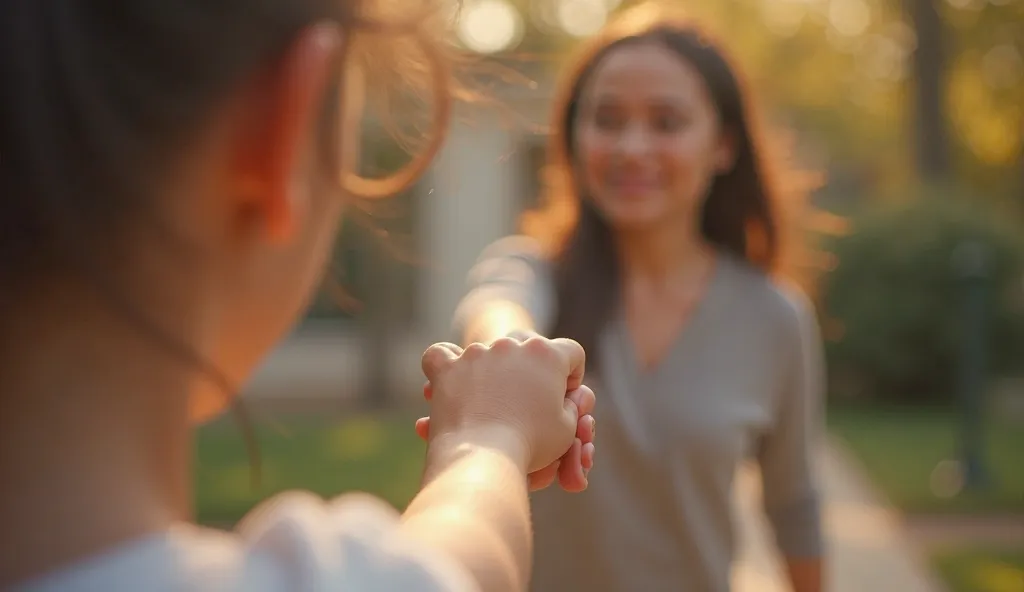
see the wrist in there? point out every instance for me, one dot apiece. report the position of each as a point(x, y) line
point(446, 448)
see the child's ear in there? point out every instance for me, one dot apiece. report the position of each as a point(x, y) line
point(281, 107)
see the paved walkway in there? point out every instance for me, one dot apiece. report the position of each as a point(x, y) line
point(869, 550)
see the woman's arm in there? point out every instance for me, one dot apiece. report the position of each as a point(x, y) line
point(497, 318)
point(510, 291)
point(791, 496)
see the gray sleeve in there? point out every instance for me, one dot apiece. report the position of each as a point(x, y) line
point(791, 495)
point(514, 270)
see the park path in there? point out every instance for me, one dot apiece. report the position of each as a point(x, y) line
point(868, 547)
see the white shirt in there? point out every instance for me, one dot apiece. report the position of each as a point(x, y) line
point(295, 542)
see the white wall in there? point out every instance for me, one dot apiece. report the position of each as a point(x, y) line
point(469, 203)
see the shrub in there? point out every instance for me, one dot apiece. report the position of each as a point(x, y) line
point(893, 307)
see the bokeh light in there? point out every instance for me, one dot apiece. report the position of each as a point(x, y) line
point(582, 18)
point(489, 26)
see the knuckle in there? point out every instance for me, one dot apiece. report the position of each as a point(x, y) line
point(571, 343)
point(433, 360)
point(473, 351)
point(542, 349)
point(504, 344)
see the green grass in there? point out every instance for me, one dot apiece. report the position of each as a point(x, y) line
point(901, 449)
point(380, 455)
point(981, 569)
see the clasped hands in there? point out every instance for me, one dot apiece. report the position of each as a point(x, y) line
point(523, 384)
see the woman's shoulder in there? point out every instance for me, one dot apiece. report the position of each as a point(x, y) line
point(771, 298)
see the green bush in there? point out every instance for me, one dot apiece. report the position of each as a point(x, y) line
point(893, 306)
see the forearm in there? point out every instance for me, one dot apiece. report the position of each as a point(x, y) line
point(798, 533)
point(805, 574)
point(497, 319)
point(474, 508)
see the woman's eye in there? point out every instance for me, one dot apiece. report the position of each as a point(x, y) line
point(667, 123)
point(607, 120)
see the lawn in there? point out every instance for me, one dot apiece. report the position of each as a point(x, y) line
point(381, 455)
point(901, 450)
point(981, 569)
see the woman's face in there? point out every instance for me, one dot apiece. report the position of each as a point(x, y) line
point(648, 139)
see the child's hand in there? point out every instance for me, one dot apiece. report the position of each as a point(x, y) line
point(572, 467)
point(532, 387)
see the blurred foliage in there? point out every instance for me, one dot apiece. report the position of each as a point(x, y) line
point(840, 72)
point(893, 306)
point(981, 568)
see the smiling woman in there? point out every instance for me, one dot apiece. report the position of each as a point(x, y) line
point(663, 246)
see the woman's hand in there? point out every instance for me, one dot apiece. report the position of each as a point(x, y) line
point(571, 468)
point(476, 387)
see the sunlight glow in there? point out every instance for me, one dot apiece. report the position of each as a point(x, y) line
point(489, 26)
point(582, 18)
point(849, 18)
point(784, 17)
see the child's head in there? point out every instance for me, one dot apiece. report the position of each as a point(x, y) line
point(174, 171)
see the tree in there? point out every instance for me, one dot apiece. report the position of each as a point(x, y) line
point(929, 59)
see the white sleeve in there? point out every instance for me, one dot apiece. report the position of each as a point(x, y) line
point(352, 543)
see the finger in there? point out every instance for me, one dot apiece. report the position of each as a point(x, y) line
point(423, 427)
point(585, 428)
point(584, 399)
point(588, 457)
point(570, 471)
point(543, 478)
point(437, 357)
point(570, 414)
point(428, 391)
point(576, 361)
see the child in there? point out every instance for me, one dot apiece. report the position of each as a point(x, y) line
point(169, 202)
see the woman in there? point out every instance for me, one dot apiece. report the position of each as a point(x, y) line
point(658, 251)
point(169, 175)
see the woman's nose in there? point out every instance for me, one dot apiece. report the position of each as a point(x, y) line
point(634, 142)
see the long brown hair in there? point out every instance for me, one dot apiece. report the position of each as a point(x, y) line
point(742, 214)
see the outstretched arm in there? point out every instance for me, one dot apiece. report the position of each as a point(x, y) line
point(511, 293)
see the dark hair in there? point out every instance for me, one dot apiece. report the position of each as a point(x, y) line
point(741, 214)
point(100, 100)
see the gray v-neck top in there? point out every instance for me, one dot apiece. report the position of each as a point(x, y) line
point(743, 380)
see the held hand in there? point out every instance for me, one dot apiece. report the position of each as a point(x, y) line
point(517, 387)
point(571, 469)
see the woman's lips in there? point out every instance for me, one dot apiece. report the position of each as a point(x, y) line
point(633, 188)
